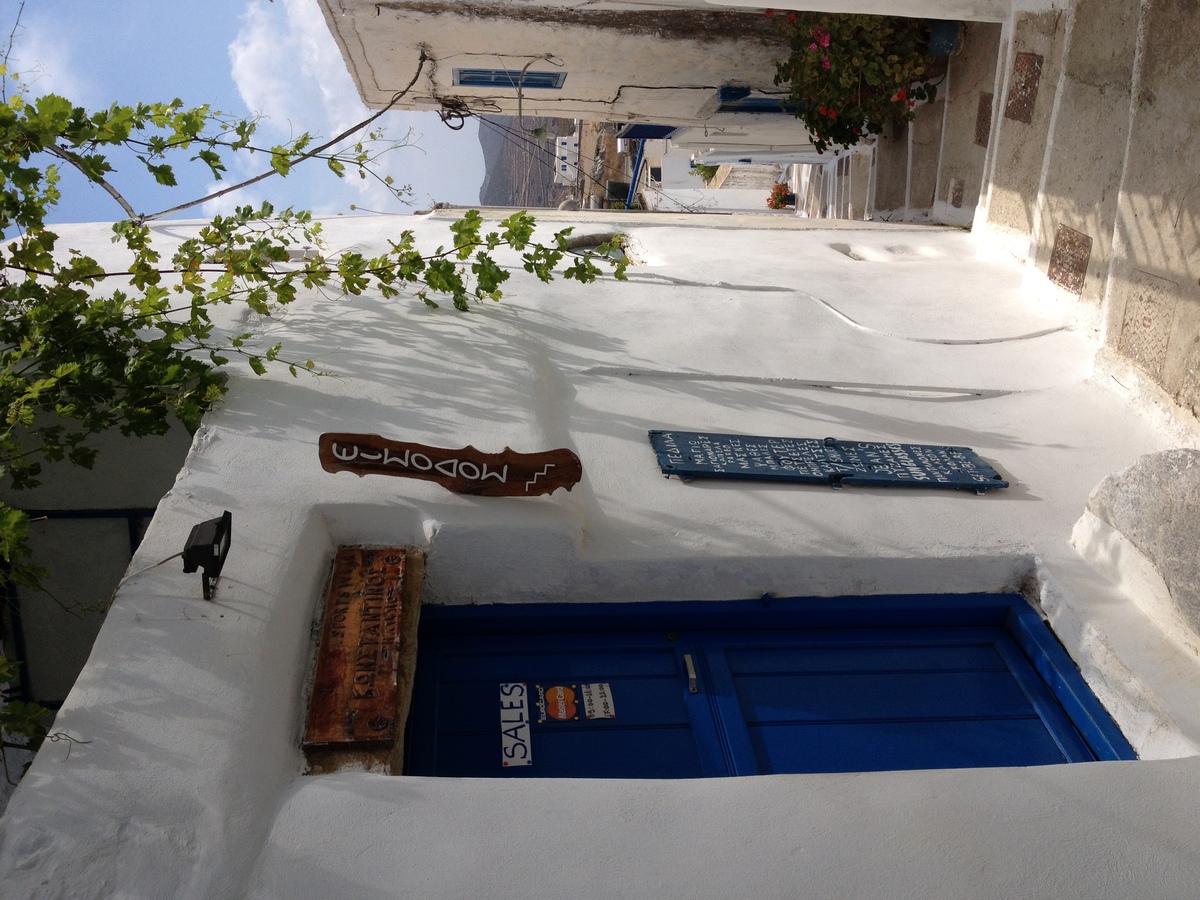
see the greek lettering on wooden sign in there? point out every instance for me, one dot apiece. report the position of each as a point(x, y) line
point(691, 454)
point(463, 471)
point(354, 687)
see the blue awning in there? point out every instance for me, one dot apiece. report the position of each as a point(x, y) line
point(646, 132)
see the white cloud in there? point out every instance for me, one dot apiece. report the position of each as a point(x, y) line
point(287, 68)
point(42, 58)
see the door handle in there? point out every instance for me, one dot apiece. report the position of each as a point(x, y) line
point(691, 672)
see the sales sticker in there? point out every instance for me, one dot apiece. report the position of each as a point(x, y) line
point(597, 701)
point(515, 749)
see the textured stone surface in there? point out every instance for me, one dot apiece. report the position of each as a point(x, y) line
point(1155, 503)
point(1069, 260)
point(983, 118)
point(1152, 309)
point(971, 78)
point(1082, 170)
point(1023, 89)
point(1020, 143)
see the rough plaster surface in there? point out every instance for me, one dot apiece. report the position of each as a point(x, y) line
point(891, 169)
point(967, 10)
point(1090, 130)
point(1155, 503)
point(972, 72)
point(1153, 306)
point(1020, 146)
point(612, 57)
point(191, 784)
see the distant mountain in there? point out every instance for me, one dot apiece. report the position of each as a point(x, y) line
point(519, 166)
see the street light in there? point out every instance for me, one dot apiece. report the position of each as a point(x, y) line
point(206, 548)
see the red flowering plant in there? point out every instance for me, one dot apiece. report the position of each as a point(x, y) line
point(781, 196)
point(850, 75)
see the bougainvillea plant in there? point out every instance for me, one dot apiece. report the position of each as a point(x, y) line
point(850, 75)
point(781, 196)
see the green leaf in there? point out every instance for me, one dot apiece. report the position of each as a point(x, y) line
point(162, 173)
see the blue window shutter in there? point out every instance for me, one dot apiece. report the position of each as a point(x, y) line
point(509, 78)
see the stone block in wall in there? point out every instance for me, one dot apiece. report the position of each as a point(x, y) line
point(1155, 504)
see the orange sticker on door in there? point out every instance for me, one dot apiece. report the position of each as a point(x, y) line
point(560, 702)
point(557, 703)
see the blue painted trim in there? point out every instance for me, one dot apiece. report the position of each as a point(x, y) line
point(722, 696)
point(1060, 726)
point(1062, 676)
point(509, 78)
point(943, 37)
point(887, 610)
point(637, 171)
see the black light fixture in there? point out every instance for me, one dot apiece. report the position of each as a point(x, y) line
point(206, 548)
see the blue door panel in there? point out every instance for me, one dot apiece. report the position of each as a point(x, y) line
point(466, 706)
point(880, 695)
point(886, 746)
point(917, 656)
point(651, 737)
point(859, 690)
point(607, 753)
point(567, 656)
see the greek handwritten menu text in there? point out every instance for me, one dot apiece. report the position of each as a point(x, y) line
point(691, 454)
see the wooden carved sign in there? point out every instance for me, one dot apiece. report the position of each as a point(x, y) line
point(465, 471)
point(354, 686)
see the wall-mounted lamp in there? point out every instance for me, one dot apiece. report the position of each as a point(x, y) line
point(206, 548)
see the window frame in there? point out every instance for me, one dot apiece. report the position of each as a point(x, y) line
point(509, 78)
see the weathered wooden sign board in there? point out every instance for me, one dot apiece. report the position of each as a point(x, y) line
point(463, 471)
point(692, 454)
point(353, 700)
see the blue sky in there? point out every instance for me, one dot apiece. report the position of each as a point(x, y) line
point(243, 57)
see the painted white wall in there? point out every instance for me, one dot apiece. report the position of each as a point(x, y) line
point(702, 199)
point(613, 74)
point(678, 172)
point(967, 10)
point(191, 784)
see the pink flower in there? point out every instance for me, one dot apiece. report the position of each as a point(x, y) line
point(813, 47)
point(824, 62)
point(824, 39)
point(791, 18)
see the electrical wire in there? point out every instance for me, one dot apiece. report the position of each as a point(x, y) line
point(148, 568)
point(523, 143)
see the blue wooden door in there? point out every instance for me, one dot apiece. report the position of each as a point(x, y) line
point(560, 692)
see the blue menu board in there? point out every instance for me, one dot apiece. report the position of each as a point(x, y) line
point(696, 454)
